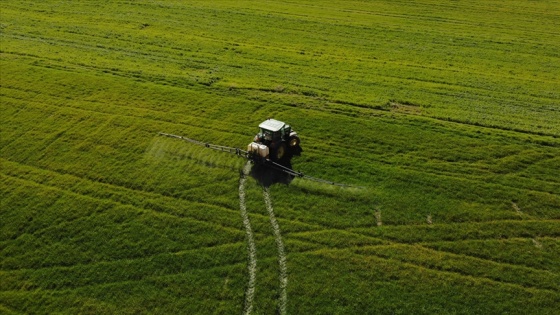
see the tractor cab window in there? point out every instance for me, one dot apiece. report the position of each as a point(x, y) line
point(267, 134)
point(286, 130)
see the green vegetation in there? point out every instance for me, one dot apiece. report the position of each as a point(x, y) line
point(446, 113)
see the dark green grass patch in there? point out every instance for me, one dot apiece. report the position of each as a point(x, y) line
point(388, 286)
point(537, 252)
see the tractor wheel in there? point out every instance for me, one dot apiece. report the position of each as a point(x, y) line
point(280, 151)
point(294, 141)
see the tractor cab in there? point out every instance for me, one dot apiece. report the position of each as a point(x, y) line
point(273, 130)
point(275, 140)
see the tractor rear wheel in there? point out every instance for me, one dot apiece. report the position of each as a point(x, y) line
point(280, 151)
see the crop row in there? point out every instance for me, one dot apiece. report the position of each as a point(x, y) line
point(389, 150)
point(381, 284)
point(369, 72)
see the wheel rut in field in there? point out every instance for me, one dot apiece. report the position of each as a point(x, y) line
point(283, 277)
point(251, 249)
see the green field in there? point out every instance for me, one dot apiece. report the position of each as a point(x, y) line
point(447, 114)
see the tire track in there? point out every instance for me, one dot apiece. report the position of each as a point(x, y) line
point(251, 249)
point(283, 277)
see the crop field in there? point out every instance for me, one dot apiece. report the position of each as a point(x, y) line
point(444, 116)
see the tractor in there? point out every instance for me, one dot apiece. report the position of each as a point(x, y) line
point(276, 141)
point(272, 149)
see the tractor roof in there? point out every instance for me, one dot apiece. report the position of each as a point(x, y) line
point(272, 125)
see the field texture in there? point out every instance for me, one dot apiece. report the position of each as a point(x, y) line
point(446, 113)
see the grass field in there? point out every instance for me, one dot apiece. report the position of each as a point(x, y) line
point(446, 113)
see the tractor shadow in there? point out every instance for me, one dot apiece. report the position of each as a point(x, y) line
point(267, 176)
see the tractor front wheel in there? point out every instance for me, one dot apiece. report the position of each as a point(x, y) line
point(294, 141)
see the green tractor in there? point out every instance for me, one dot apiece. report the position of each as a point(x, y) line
point(271, 151)
point(275, 141)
